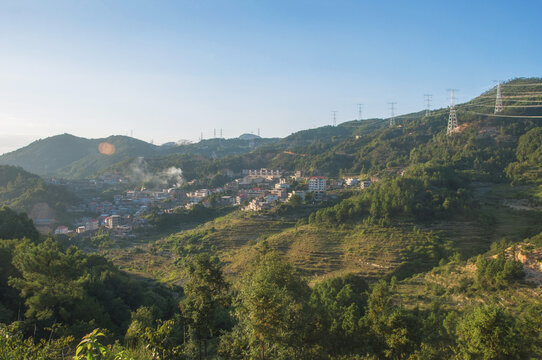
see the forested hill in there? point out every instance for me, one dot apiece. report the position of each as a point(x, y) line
point(361, 147)
point(73, 157)
point(21, 190)
point(484, 143)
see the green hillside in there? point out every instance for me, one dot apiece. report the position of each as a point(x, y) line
point(219, 147)
point(439, 259)
point(459, 194)
point(69, 156)
point(72, 157)
point(484, 144)
point(21, 191)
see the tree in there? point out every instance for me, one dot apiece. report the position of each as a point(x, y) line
point(142, 319)
point(90, 348)
point(16, 226)
point(272, 311)
point(51, 280)
point(489, 332)
point(205, 293)
point(392, 331)
point(340, 302)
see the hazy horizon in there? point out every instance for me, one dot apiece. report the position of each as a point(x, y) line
point(172, 70)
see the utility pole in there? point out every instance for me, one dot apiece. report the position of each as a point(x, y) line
point(452, 119)
point(392, 112)
point(428, 98)
point(498, 99)
point(334, 112)
point(360, 107)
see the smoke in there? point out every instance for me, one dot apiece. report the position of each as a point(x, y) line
point(139, 170)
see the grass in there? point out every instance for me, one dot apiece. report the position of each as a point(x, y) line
point(453, 286)
point(369, 250)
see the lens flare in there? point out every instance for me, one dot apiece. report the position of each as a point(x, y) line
point(106, 148)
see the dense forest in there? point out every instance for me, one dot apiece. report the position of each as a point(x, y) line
point(59, 294)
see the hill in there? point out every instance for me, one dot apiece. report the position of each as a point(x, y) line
point(219, 147)
point(439, 194)
point(69, 156)
point(44, 203)
point(248, 137)
point(441, 251)
point(72, 157)
point(484, 144)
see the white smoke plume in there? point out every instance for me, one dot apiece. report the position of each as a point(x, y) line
point(140, 173)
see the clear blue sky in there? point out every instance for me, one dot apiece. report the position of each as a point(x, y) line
point(169, 70)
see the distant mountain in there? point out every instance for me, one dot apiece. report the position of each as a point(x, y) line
point(219, 147)
point(249, 137)
point(70, 156)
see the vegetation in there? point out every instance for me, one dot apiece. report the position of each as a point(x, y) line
point(273, 313)
point(21, 190)
point(440, 259)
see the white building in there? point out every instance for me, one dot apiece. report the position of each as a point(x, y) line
point(317, 183)
point(92, 224)
point(112, 221)
point(61, 230)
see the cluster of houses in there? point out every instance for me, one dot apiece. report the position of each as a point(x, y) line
point(255, 190)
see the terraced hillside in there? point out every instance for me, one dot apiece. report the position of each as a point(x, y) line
point(370, 250)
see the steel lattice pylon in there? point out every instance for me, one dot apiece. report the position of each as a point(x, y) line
point(498, 99)
point(452, 121)
point(392, 111)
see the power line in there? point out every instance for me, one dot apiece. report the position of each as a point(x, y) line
point(513, 100)
point(506, 116)
point(534, 84)
point(505, 106)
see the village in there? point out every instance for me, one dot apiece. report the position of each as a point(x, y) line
point(252, 190)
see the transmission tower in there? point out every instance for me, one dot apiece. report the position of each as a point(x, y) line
point(258, 131)
point(334, 112)
point(452, 120)
point(214, 133)
point(392, 112)
point(498, 99)
point(221, 133)
point(428, 98)
point(201, 136)
point(360, 107)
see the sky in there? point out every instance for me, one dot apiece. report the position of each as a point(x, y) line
point(171, 70)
